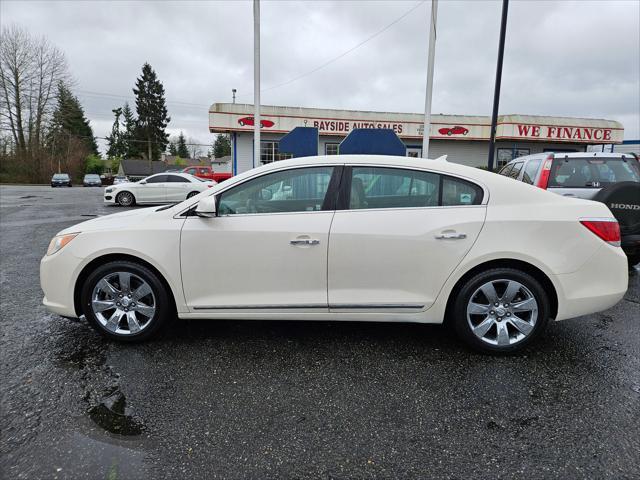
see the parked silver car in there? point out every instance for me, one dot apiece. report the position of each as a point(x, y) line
point(610, 178)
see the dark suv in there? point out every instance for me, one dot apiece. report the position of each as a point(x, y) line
point(610, 178)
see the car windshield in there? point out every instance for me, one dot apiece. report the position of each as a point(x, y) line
point(60, 176)
point(592, 172)
point(92, 177)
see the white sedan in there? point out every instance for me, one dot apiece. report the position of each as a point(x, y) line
point(156, 189)
point(365, 238)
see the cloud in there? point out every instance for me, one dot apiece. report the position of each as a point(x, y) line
point(561, 58)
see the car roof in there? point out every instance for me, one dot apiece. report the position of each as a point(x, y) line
point(572, 155)
point(179, 174)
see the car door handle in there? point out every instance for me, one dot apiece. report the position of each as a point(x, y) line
point(451, 236)
point(306, 241)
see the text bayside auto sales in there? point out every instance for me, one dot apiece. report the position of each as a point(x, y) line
point(344, 126)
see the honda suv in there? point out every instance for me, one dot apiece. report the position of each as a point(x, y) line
point(610, 178)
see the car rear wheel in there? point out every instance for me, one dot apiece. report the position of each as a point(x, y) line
point(192, 194)
point(501, 311)
point(125, 199)
point(125, 301)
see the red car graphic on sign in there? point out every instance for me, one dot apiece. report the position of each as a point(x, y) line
point(457, 130)
point(249, 121)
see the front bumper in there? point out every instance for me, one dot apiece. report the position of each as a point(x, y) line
point(57, 280)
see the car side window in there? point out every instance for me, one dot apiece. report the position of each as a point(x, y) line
point(297, 190)
point(530, 171)
point(177, 179)
point(157, 179)
point(515, 171)
point(506, 170)
point(383, 187)
point(191, 171)
point(457, 192)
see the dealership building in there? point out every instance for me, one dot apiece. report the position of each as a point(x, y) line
point(464, 139)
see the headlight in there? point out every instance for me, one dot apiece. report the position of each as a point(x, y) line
point(57, 243)
point(108, 190)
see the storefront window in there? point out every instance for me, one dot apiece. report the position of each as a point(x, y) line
point(269, 153)
point(505, 155)
point(331, 148)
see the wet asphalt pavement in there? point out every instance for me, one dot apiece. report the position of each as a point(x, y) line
point(231, 399)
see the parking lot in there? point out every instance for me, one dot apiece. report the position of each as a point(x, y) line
point(232, 399)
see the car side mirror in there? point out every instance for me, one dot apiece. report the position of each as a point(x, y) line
point(143, 182)
point(206, 207)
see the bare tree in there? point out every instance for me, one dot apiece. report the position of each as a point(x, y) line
point(30, 68)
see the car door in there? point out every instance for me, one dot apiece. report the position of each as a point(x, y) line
point(267, 246)
point(176, 188)
point(152, 190)
point(399, 236)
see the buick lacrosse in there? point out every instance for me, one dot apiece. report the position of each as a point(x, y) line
point(358, 238)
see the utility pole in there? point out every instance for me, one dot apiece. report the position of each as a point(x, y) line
point(256, 81)
point(428, 95)
point(233, 92)
point(496, 93)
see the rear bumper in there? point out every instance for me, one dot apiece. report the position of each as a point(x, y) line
point(599, 284)
point(631, 244)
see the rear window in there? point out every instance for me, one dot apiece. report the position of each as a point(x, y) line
point(61, 176)
point(592, 172)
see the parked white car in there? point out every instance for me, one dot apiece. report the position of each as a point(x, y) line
point(156, 189)
point(367, 238)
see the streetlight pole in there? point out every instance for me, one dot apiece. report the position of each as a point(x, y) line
point(256, 81)
point(428, 95)
point(496, 93)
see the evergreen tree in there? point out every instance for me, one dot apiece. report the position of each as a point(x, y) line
point(221, 147)
point(69, 122)
point(181, 147)
point(152, 114)
point(173, 148)
point(114, 140)
point(130, 148)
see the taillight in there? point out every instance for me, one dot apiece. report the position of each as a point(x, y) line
point(546, 170)
point(607, 229)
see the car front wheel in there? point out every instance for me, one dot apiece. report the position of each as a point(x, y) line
point(501, 311)
point(125, 199)
point(125, 301)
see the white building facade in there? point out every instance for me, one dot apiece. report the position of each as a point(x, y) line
point(464, 139)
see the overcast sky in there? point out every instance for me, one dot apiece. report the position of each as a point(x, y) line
point(562, 58)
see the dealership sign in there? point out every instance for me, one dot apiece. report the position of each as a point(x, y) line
point(562, 133)
point(235, 117)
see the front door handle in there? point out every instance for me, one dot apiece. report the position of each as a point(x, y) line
point(306, 241)
point(451, 236)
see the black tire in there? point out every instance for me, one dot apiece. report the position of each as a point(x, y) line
point(633, 260)
point(461, 323)
point(126, 199)
point(192, 194)
point(163, 305)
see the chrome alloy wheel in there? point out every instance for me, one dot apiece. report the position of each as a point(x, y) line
point(125, 199)
point(502, 312)
point(123, 303)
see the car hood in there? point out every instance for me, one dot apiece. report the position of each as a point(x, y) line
point(111, 222)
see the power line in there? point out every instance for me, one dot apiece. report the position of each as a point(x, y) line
point(273, 87)
point(345, 53)
point(62, 132)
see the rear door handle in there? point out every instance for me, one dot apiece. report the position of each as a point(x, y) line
point(307, 241)
point(451, 236)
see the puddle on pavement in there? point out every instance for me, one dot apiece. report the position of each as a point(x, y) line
point(113, 415)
